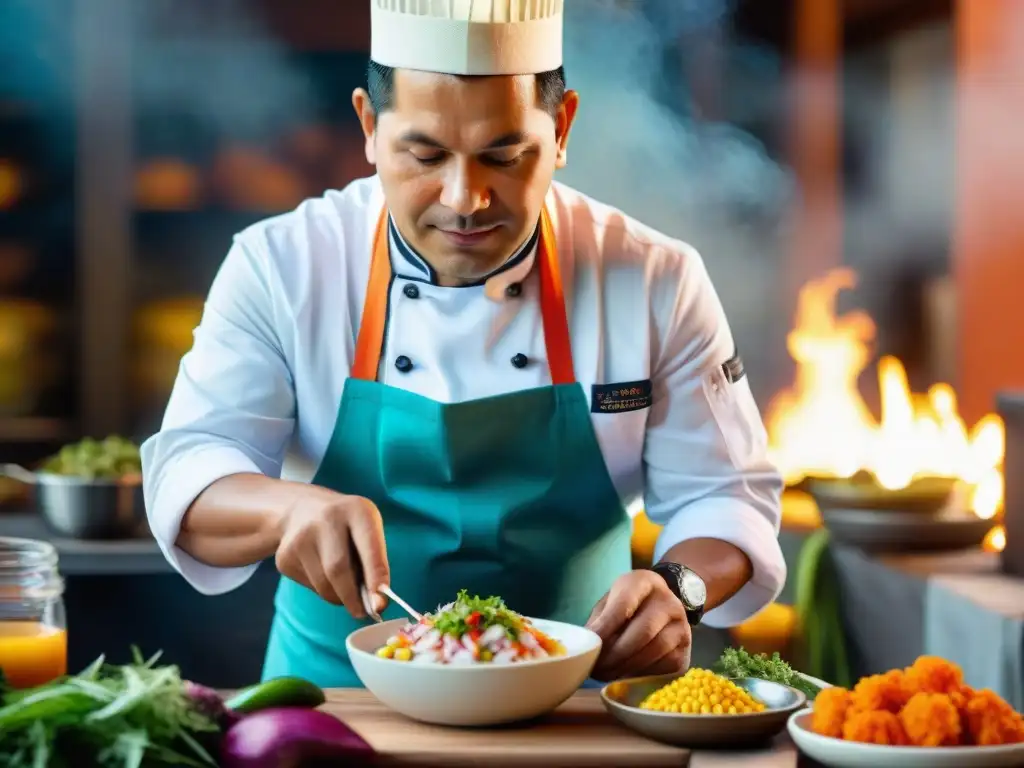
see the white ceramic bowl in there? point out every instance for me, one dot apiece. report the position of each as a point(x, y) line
point(477, 695)
point(837, 753)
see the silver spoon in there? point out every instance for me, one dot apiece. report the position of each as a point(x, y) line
point(389, 593)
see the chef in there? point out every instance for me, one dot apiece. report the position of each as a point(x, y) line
point(482, 368)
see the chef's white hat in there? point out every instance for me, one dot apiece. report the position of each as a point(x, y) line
point(468, 37)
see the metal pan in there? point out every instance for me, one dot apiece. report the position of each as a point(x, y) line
point(82, 508)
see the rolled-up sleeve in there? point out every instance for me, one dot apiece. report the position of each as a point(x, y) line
point(231, 411)
point(708, 473)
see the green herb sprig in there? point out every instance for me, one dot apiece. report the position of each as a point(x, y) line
point(737, 662)
point(491, 611)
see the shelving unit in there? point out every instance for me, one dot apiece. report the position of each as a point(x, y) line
point(216, 115)
point(37, 235)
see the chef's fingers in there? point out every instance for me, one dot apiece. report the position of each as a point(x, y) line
point(624, 600)
point(666, 653)
point(342, 569)
point(316, 579)
point(597, 609)
point(367, 530)
point(644, 627)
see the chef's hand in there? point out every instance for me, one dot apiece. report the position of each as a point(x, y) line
point(331, 543)
point(643, 628)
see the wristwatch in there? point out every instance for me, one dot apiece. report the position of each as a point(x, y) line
point(687, 586)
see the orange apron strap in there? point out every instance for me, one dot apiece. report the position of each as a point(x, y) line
point(375, 306)
point(552, 306)
point(370, 340)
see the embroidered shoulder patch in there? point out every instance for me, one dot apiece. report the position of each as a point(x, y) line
point(733, 368)
point(618, 398)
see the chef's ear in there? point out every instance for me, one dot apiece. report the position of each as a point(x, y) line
point(563, 125)
point(367, 121)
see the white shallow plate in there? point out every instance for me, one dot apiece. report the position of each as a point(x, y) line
point(837, 753)
point(479, 694)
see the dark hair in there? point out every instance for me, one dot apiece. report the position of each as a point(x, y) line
point(380, 82)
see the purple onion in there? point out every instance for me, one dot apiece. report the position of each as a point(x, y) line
point(210, 703)
point(286, 736)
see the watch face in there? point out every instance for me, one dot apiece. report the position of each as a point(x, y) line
point(694, 592)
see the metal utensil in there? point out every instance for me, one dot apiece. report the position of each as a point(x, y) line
point(19, 473)
point(623, 697)
point(390, 594)
point(368, 604)
point(86, 508)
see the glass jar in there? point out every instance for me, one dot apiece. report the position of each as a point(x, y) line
point(33, 628)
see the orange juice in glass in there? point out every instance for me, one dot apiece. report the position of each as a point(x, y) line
point(33, 633)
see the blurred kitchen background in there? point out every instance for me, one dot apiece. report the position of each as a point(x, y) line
point(784, 138)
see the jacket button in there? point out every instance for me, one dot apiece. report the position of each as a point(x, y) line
point(513, 290)
point(520, 360)
point(403, 364)
point(411, 291)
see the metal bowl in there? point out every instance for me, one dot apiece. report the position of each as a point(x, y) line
point(81, 508)
point(622, 699)
point(926, 495)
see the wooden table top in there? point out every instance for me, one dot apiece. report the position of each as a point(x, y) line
point(579, 733)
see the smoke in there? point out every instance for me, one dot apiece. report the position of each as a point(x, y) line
point(640, 144)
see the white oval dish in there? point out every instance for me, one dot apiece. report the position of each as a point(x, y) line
point(837, 753)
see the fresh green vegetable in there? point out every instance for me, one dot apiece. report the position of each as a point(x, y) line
point(739, 663)
point(818, 610)
point(475, 613)
point(132, 716)
point(107, 459)
point(279, 692)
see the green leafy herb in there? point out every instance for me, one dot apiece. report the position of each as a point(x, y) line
point(468, 613)
point(91, 459)
point(739, 663)
point(132, 716)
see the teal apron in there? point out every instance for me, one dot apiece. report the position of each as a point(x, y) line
point(505, 495)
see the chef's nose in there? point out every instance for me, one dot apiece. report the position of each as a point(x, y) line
point(465, 189)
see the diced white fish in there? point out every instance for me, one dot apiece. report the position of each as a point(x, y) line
point(528, 640)
point(507, 656)
point(492, 635)
point(462, 658)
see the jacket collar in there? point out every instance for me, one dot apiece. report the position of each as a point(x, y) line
point(408, 264)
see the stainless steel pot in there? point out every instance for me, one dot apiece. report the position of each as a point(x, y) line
point(86, 509)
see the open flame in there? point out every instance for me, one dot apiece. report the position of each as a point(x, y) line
point(821, 426)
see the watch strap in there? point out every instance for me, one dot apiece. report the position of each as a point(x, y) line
point(672, 573)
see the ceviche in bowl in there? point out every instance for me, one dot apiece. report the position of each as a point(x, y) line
point(473, 661)
point(471, 630)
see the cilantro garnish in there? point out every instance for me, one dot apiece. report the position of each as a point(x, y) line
point(469, 613)
point(740, 663)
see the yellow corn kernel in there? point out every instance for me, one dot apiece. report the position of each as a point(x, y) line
point(403, 654)
point(486, 655)
point(386, 652)
point(701, 692)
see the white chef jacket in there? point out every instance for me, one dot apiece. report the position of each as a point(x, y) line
point(264, 377)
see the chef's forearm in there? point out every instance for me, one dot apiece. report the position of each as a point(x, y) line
point(724, 567)
point(237, 520)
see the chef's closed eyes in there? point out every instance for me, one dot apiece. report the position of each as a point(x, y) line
point(483, 365)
